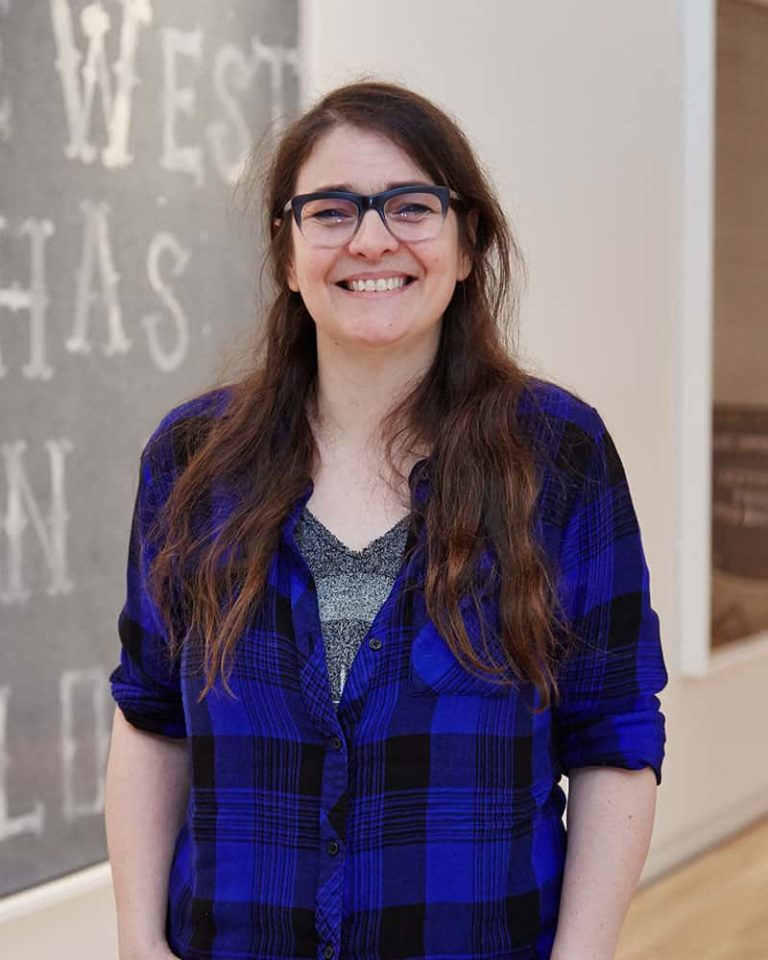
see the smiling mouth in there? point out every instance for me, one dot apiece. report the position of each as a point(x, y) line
point(380, 286)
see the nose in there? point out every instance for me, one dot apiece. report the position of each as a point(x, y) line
point(372, 237)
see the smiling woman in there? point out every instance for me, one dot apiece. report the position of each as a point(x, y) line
point(387, 588)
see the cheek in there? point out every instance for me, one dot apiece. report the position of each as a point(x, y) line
point(315, 270)
point(301, 276)
point(446, 269)
point(446, 264)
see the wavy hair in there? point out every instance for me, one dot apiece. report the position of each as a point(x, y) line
point(486, 469)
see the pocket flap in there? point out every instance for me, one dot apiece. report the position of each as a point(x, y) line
point(435, 669)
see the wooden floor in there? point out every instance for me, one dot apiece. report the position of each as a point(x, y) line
point(713, 908)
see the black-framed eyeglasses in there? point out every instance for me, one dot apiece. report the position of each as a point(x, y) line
point(331, 218)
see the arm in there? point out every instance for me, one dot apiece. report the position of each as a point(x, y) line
point(610, 818)
point(147, 780)
point(146, 792)
point(609, 728)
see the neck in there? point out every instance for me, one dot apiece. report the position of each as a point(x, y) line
point(355, 392)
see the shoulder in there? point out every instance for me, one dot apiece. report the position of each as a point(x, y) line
point(562, 424)
point(204, 407)
point(181, 430)
point(573, 449)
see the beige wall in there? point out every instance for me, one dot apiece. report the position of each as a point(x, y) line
point(575, 109)
point(76, 911)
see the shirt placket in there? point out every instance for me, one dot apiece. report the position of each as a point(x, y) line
point(315, 687)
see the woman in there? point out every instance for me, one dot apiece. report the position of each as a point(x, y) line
point(382, 593)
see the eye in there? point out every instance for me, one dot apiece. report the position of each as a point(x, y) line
point(331, 213)
point(411, 211)
point(413, 207)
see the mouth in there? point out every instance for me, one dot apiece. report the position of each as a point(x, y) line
point(383, 287)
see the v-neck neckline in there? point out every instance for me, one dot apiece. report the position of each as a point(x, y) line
point(347, 549)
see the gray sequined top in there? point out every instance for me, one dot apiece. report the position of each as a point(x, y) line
point(352, 586)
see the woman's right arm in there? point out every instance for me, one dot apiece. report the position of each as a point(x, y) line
point(146, 791)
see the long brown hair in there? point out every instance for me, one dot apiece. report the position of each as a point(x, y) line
point(486, 472)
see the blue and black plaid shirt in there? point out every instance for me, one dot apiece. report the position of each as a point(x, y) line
point(424, 819)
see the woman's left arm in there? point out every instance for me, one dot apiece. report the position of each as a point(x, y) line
point(610, 817)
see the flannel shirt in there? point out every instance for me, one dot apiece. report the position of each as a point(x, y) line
point(424, 819)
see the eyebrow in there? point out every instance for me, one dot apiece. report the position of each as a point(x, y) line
point(346, 187)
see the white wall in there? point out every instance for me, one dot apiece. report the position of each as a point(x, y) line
point(576, 109)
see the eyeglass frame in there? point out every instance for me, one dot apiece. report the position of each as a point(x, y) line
point(375, 202)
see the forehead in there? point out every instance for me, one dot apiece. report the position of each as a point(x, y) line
point(363, 161)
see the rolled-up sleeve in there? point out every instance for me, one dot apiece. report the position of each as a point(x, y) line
point(145, 685)
point(609, 714)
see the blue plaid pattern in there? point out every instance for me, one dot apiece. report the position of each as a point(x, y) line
point(424, 819)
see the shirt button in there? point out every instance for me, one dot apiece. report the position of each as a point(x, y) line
point(336, 743)
point(374, 643)
point(328, 951)
point(333, 848)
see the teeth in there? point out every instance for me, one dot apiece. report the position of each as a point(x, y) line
point(374, 286)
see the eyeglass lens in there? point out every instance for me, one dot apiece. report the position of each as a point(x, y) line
point(331, 222)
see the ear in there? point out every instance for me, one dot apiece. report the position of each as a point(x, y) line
point(290, 274)
point(465, 260)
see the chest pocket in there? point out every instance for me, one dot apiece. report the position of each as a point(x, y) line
point(434, 669)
